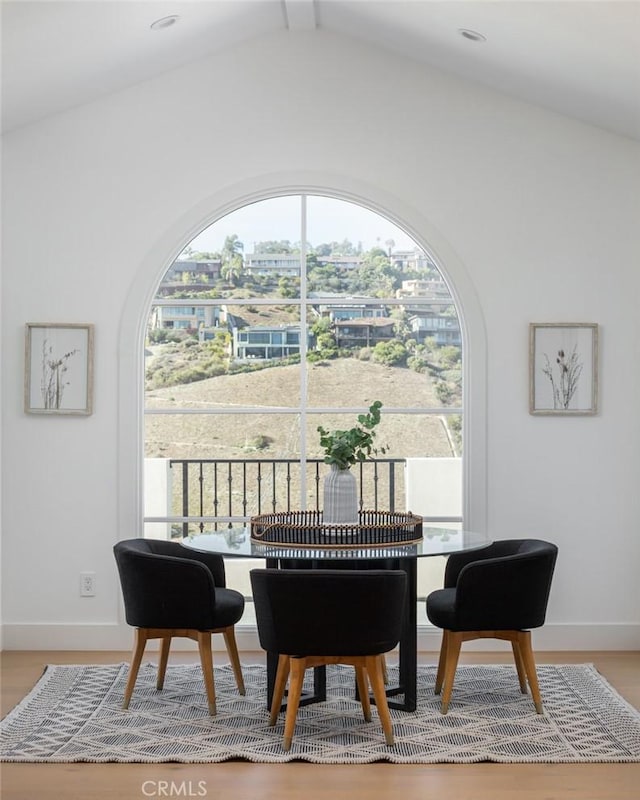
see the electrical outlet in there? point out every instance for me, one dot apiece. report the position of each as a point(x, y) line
point(87, 584)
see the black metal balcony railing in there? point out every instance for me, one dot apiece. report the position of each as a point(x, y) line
point(233, 490)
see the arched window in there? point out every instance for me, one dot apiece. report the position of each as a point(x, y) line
point(286, 314)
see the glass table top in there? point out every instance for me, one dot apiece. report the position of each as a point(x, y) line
point(237, 542)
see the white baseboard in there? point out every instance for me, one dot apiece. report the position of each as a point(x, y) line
point(114, 636)
point(102, 636)
point(552, 637)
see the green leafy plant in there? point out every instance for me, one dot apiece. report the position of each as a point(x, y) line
point(344, 448)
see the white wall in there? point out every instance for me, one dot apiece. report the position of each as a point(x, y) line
point(534, 216)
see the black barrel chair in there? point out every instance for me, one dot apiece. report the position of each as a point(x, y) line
point(171, 591)
point(499, 592)
point(318, 617)
point(366, 563)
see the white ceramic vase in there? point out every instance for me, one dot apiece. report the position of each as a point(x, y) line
point(340, 497)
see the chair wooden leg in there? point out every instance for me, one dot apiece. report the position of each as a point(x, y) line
point(139, 643)
point(282, 675)
point(232, 648)
point(363, 690)
point(164, 658)
point(374, 670)
point(298, 667)
point(517, 657)
point(385, 673)
point(206, 660)
point(441, 663)
point(524, 641)
point(454, 642)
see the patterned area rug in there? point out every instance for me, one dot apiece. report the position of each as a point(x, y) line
point(74, 713)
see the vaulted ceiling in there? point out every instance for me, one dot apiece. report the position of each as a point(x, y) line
point(581, 59)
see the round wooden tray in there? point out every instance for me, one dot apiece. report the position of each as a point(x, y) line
point(306, 528)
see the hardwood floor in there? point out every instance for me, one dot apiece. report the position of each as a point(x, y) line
point(246, 781)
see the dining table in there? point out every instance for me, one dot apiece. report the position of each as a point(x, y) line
point(237, 542)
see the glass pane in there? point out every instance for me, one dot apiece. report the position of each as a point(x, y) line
point(389, 372)
point(227, 489)
point(358, 253)
point(254, 359)
point(251, 252)
point(413, 336)
point(176, 357)
point(382, 482)
point(264, 336)
point(231, 465)
point(244, 437)
point(400, 435)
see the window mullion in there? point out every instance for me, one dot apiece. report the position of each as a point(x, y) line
point(303, 350)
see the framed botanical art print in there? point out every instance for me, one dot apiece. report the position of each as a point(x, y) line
point(58, 368)
point(563, 368)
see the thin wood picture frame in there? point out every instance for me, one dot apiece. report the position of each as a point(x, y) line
point(58, 368)
point(563, 368)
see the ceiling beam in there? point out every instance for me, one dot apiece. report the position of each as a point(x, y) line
point(299, 15)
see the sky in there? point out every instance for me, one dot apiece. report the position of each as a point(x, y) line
point(279, 219)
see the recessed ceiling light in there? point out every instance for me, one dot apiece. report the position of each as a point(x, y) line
point(164, 22)
point(472, 36)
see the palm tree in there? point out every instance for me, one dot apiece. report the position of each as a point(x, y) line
point(231, 268)
point(232, 247)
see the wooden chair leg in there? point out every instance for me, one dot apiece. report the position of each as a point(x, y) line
point(139, 643)
point(232, 648)
point(385, 673)
point(517, 657)
point(374, 670)
point(363, 690)
point(298, 667)
point(206, 660)
point(164, 658)
point(524, 641)
point(454, 642)
point(282, 675)
point(441, 663)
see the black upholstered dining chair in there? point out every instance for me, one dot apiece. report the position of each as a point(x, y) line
point(318, 617)
point(171, 591)
point(499, 592)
